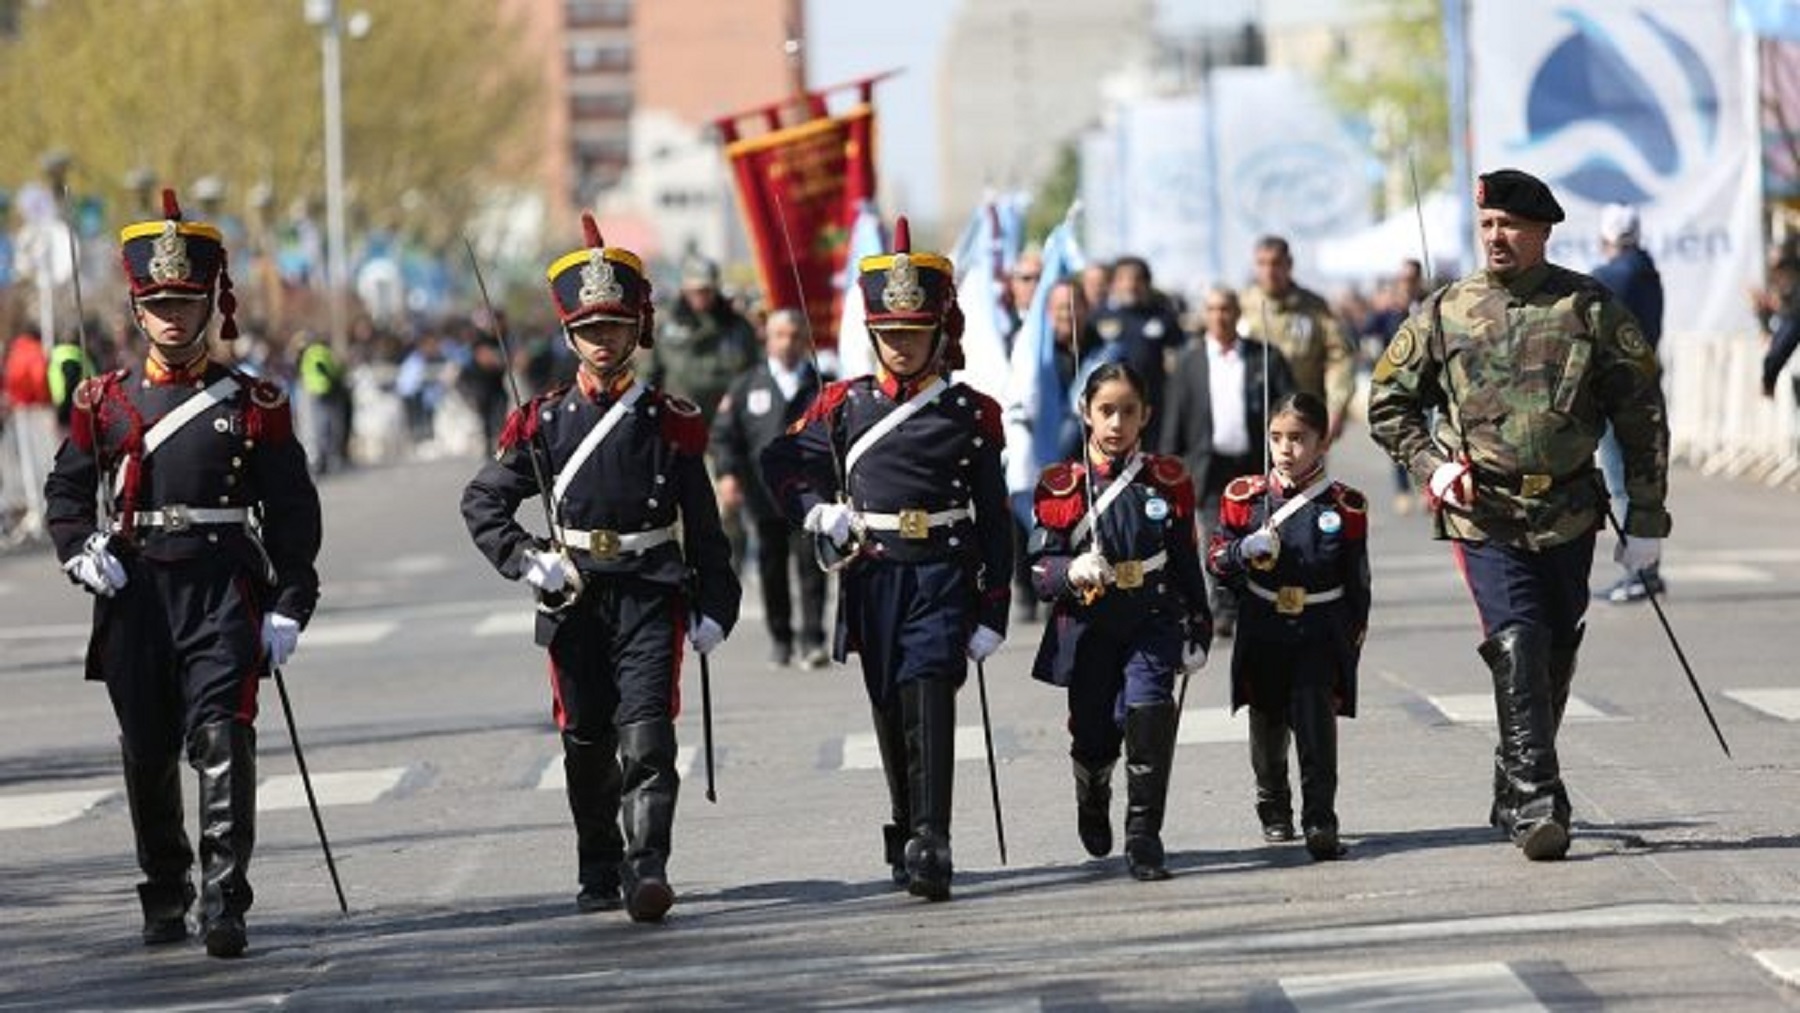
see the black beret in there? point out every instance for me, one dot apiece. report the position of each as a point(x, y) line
point(1517, 193)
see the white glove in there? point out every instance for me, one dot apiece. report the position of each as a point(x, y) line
point(706, 635)
point(1449, 484)
point(833, 520)
point(1260, 544)
point(96, 567)
point(280, 635)
point(1090, 569)
point(1193, 657)
point(546, 570)
point(1636, 553)
point(983, 642)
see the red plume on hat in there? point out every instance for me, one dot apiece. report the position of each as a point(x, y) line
point(171, 206)
point(902, 235)
point(590, 231)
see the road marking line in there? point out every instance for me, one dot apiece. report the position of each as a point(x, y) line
point(1478, 709)
point(1780, 703)
point(1715, 573)
point(1784, 964)
point(861, 752)
point(551, 776)
point(505, 624)
point(346, 634)
point(341, 787)
point(1210, 726)
point(1490, 987)
point(49, 808)
point(415, 566)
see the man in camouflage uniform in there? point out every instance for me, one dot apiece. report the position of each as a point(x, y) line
point(1528, 362)
point(1303, 329)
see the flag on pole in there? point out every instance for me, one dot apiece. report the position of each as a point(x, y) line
point(1037, 402)
point(867, 239)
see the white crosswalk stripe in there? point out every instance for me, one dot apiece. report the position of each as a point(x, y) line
point(1492, 988)
point(1478, 709)
point(336, 634)
point(512, 622)
point(1780, 703)
point(340, 787)
point(861, 752)
point(1783, 964)
point(552, 778)
point(1212, 725)
point(49, 808)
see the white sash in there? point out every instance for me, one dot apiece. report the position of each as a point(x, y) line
point(1113, 491)
point(172, 423)
point(591, 441)
point(892, 422)
point(1292, 506)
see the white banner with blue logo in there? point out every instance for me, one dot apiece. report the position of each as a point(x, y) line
point(1640, 102)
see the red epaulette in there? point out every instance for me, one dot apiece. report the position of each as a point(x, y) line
point(683, 425)
point(269, 417)
point(1238, 505)
point(522, 423)
point(1171, 475)
point(1057, 501)
point(987, 416)
point(88, 395)
point(1355, 508)
point(830, 396)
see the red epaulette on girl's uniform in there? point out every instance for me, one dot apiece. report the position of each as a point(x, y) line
point(269, 417)
point(1240, 499)
point(1354, 507)
point(683, 425)
point(1058, 501)
point(1171, 475)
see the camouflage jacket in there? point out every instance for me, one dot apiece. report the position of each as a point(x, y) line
point(1527, 373)
point(1312, 339)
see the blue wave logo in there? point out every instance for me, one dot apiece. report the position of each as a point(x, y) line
point(1616, 128)
point(1295, 190)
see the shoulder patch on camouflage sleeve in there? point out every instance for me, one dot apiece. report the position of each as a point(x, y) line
point(1631, 340)
point(1246, 488)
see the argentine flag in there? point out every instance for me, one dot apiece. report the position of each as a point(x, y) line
point(867, 239)
point(1036, 400)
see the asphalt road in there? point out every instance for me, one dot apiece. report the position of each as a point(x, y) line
point(425, 713)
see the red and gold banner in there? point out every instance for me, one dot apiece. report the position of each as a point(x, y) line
point(798, 187)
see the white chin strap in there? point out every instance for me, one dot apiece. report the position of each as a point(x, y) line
point(197, 341)
point(591, 366)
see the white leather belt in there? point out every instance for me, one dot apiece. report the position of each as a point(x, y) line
point(914, 523)
point(175, 517)
point(1129, 573)
point(604, 544)
point(1291, 601)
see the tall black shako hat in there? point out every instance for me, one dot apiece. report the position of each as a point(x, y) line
point(907, 290)
point(1517, 193)
point(170, 258)
point(601, 282)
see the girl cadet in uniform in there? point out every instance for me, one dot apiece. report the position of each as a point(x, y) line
point(1114, 551)
point(1293, 544)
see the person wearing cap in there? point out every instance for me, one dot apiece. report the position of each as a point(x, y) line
point(1630, 274)
point(1529, 363)
point(898, 477)
point(637, 565)
point(703, 343)
point(202, 567)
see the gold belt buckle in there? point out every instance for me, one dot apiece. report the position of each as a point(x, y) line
point(1128, 574)
point(603, 544)
point(1533, 486)
point(915, 524)
point(1290, 600)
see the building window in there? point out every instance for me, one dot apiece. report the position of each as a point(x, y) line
point(588, 57)
point(597, 13)
point(600, 105)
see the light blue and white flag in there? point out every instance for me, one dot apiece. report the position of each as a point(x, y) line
point(867, 239)
point(1036, 399)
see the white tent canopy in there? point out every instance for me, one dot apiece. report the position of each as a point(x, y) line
point(1376, 252)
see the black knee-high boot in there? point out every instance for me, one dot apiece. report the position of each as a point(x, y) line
point(1519, 658)
point(594, 781)
point(1093, 805)
point(225, 755)
point(1149, 752)
point(890, 737)
point(650, 786)
point(928, 710)
point(153, 791)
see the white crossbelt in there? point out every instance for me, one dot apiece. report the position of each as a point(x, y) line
point(1087, 522)
point(172, 423)
point(1153, 563)
point(1293, 505)
point(876, 432)
point(1312, 597)
point(629, 542)
point(935, 519)
point(176, 517)
point(591, 441)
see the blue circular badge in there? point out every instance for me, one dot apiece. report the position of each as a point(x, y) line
point(1156, 508)
point(1330, 521)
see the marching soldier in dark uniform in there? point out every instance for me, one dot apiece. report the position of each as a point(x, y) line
point(1529, 362)
point(1121, 566)
point(637, 560)
point(201, 568)
point(1294, 545)
point(899, 474)
point(760, 405)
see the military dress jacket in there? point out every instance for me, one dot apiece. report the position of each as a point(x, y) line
point(932, 490)
point(1147, 533)
point(1528, 371)
point(225, 475)
point(1318, 588)
point(640, 508)
point(1303, 328)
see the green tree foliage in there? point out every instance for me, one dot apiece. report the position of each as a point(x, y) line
point(1398, 84)
point(190, 88)
point(1059, 187)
